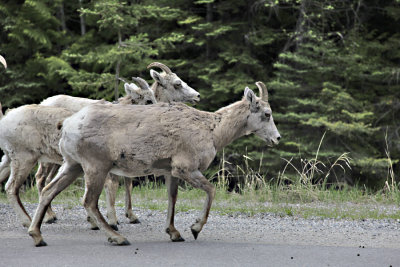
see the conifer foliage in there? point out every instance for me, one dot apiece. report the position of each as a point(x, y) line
point(331, 67)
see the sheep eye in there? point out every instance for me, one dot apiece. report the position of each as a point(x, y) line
point(268, 115)
point(149, 102)
point(177, 85)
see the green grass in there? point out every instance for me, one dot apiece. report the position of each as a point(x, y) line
point(293, 200)
point(350, 203)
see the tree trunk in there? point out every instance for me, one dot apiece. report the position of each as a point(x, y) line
point(299, 31)
point(209, 18)
point(82, 20)
point(62, 18)
point(117, 69)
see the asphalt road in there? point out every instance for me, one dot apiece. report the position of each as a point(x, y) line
point(87, 250)
point(225, 241)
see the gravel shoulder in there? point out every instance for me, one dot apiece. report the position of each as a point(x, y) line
point(263, 233)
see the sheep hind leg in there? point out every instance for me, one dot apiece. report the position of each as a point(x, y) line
point(44, 174)
point(197, 180)
point(128, 201)
point(95, 179)
point(19, 172)
point(172, 188)
point(68, 173)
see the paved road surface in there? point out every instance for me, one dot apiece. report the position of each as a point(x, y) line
point(266, 240)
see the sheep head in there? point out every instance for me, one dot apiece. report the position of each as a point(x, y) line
point(260, 121)
point(169, 87)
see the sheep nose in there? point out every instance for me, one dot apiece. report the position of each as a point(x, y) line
point(278, 138)
point(198, 95)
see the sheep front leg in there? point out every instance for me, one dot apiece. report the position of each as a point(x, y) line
point(197, 180)
point(172, 188)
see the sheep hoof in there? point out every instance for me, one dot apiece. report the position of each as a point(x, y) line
point(179, 239)
point(123, 242)
point(41, 244)
point(51, 221)
point(135, 221)
point(195, 234)
point(94, 228)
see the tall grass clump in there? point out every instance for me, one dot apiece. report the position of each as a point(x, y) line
point(303, 180)
point(391, 188)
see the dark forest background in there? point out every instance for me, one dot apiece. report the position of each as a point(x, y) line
point(331, 67)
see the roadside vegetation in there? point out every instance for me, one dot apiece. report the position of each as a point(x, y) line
point(307, 194)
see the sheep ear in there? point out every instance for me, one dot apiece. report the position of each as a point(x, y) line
point(249, 94)
point(157, 77)
point(251, 97)
point(130, 90)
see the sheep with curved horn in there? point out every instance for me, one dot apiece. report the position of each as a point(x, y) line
point(168, 87)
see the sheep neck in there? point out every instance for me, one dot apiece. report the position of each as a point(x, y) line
point(232, 124)
point(158, 93)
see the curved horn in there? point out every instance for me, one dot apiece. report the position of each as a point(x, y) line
point(161, 66)
point(263, 91)
point(3, 61)
point(142, 83)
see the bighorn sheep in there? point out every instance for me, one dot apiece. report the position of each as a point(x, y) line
point(31, 133)
point(152, 141)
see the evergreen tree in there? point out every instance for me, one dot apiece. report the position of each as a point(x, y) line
point(30, 31)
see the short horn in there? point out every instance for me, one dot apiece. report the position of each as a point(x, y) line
point(263, 91)
point(3, 61)
point(161, 66)
point(142, 83)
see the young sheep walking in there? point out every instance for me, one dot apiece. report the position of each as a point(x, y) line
point(152, 141)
